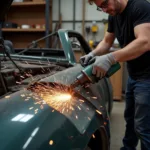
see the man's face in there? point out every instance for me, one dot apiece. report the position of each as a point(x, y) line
point(112, 7)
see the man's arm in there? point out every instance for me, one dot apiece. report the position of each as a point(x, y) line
point(104, 46)
point(137, 47)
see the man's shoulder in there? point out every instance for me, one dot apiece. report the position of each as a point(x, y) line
point(140, 12)
point(138, 8)
point(139, 4)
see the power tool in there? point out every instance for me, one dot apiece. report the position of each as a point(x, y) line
point(86, 75)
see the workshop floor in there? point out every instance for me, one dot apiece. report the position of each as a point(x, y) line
point(118, 125)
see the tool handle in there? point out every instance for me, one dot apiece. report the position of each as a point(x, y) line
point(87, 71)
point(113, 69)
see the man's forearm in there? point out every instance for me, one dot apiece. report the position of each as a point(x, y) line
point(101, 49)
point(131, 51)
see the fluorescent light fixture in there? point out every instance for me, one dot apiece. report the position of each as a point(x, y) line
point(22, 117)
point(18, 117)
point(27, 143)
point(26, 118)
point(30, 138)
point(35, 132)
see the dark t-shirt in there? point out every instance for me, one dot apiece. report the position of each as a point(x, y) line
point(122, 25)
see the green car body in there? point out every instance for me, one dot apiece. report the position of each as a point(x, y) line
point(25, 126)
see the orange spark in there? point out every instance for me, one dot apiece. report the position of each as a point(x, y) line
point(76, 117)
point(22, 95)
point(22, 77)
point(79, 108)
point(93, 136)
point(89, 118)
point(7, 96)
point(18, 82)
point(105, 123)
point(51, 142)
point(26, 99)
point(87, 108)
point(58, 97)
point(94, 97)
point(30, 108)
point(98, 112)
point(81, 100)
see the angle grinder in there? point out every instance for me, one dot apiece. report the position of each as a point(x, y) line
point(86, 75)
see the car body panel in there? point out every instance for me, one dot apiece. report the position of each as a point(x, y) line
point(26, 124)
point(60, 128)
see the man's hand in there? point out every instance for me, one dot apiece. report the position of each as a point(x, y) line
point(102, 64)
point(84, 60)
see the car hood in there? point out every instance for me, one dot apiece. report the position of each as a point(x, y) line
point(24, 124)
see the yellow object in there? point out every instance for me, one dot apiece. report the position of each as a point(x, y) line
point(94, 28)
point(91, 43)
point(105, 27)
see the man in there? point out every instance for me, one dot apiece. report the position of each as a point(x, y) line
point(129, 22)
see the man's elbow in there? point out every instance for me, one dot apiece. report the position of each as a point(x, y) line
point(145, 42)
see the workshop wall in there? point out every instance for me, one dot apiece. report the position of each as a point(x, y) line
point(73, 19)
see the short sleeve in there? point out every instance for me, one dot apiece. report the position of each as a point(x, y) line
point(110, 24)
point(141, 12)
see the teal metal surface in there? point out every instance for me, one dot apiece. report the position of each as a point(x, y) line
point(26, 125)
point(65, 41)
point(38, 58)
point(63, 34)
point(22, 128)
point(66, 77)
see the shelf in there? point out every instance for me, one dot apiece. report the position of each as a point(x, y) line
point(22, 30)
point(30, 12)
point(28, 3)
